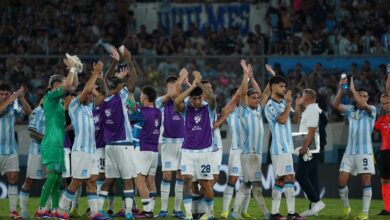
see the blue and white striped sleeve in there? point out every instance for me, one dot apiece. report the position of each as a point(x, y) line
point(124, 94)
point(158, 103)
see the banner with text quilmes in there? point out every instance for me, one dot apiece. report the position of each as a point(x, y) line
point(328, 179)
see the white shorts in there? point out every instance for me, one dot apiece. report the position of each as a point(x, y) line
point(197, 164)
point(35, 169)
point(100, 154)
point(67, 172)
point(9, 163)
point(146, 162)
point(170, 156)
point(283, 164)
point(251, 167)
point(217, 160)
point(84, 164)
point(234, 165)
point(358, 164)
point(120, 161)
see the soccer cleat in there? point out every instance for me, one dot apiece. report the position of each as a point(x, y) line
point(74, 213)
point(346, 212)
point(15, 215)
point(110, 213)
point(362, 216)
point(162, 214)
point(188, 217)
point(129, 216)
point(98, 216)
point(224, 214)
point(120, 214)
point(205, 217)
point(60, 215)
point(135, 210)
point(105, 215)
point(42, 214)
point(383, 212)
point(277, 216)
point(247, 216)
point(144, 214)
point(178, 214)
point(295, 216)
point(197, 215)
point(233, 215)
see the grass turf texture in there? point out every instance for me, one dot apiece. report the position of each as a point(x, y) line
point(331, 211)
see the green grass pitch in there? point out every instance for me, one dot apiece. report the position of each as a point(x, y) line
point(331, 211)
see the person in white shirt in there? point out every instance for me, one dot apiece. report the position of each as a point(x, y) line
point(307, 171)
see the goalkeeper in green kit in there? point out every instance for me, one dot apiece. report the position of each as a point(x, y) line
point(53, 141)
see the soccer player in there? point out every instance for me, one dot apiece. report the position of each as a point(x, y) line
point(172, 138)
point(9, 160)
point(83, 157)
point(196, 161)
point(53, 141)
point(277, 112)
point(35, 170)
point(119, 151)
point(307, 171)
point(382, 126)
point(146, 133)
point(250, 116)
point(358, 156)
point(234, 164)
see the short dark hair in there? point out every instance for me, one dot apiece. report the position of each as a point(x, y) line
point(150, 92)
point(113, 82)
point(205, 81)
point(197, 91)
point(277, 80)
point(310, 93)
point(170, 79)
point(251, 91)
point(361, 89)
point(233, 91)
point(55, 78)
point(5, 87)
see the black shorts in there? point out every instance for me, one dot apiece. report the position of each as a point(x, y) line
point(384, 164)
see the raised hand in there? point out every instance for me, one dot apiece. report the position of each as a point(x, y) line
point(270, 70)
point(98, 68)
point(20, 92)
point(183, 74)
point(287, 97)
point(244, 66)
point(67, 63)
point(352, 85)
point(197, 77)
point(123, 72)
point(114, 54)
point(126, 53)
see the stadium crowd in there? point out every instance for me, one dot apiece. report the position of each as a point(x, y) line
point(295, 27)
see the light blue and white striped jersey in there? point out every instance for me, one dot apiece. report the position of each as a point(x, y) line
point(217, 139)
point(281, 133)
point(83, 125)
point(36, 122)
point(252, 124)
point(235, 130)
point(8, 143)
point(361, 124)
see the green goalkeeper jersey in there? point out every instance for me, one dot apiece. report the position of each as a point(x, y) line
point(53, 141)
